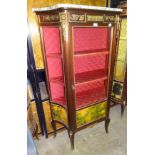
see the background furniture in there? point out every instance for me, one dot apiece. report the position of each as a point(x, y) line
point(78, 44)
point(119, 91)
point(40, 101)
point(34, 91)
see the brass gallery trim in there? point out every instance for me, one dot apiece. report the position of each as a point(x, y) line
point(94, 18)
point(77, 18)
point(42, 23)
point(49, 18)
point(105, 18)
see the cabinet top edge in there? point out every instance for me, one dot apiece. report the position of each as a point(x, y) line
point(75, 6)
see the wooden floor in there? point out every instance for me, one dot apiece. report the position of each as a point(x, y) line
point(90, 141)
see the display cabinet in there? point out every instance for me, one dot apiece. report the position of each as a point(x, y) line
point(78, 44)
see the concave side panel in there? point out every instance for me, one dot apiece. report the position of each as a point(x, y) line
point(90, 114)
point(54, 67)
point(91, 61)
point(48, 118)
point(51, 39)
point(53, 55)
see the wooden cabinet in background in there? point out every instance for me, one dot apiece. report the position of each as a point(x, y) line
point(119, 90)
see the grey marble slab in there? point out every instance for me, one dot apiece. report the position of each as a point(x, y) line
point(75, 6)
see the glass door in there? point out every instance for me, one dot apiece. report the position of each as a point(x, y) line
point(91, 61)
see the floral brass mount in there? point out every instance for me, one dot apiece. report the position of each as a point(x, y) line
point(49, 18)
point(63, 20)
point(109, 18)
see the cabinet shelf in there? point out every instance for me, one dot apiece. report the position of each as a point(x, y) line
point(83, 77)
point(90, 76)
point(91, 52)
point(90, 97)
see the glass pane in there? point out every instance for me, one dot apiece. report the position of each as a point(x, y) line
point(90, 39)
point(91, 54)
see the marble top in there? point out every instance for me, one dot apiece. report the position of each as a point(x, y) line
point(75, 6)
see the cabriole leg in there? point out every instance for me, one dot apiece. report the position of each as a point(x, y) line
point(72, 139)
point(107, 121)
point(123, 108)
point(68, 133)
point(54, 127)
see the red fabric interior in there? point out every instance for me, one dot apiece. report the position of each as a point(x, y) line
point(54, 67)
point(90, 69)
point(57, 90)
point(89, 63)
point(53, 53)
point(90, 38)
point(89, 93)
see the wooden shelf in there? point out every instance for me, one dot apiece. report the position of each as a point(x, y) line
point(90, 76)
point(84, 77)
point(90, 53)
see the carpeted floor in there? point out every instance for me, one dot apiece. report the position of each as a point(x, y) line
point(90, 141)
